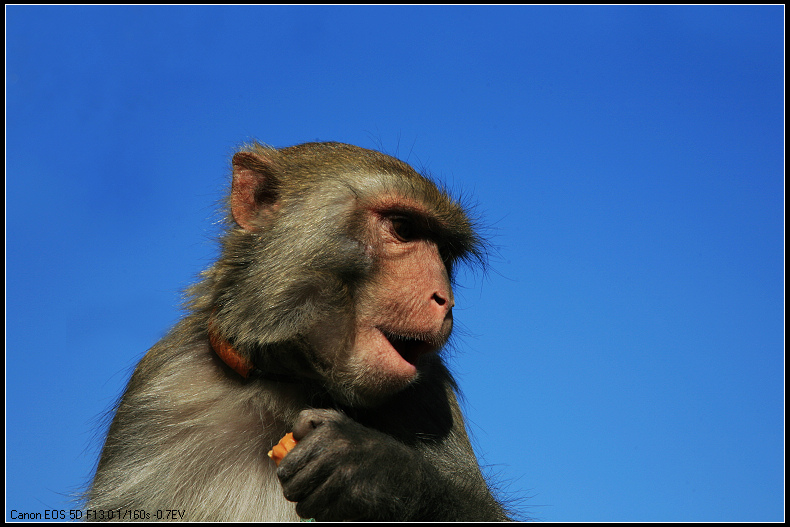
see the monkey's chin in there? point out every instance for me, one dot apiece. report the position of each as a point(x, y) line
point(380, 364)
point(384, 363)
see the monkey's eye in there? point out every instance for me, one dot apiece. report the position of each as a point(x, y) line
point(403, 228)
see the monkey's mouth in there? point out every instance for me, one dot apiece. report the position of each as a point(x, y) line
point(410, 347)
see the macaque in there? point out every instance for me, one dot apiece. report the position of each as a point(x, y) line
point(324, 316)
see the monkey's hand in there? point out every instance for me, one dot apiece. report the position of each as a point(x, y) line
point(342, 470)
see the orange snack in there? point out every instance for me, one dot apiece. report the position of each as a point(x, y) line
point(278, 451)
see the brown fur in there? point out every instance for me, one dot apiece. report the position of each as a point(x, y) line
point(316, 266)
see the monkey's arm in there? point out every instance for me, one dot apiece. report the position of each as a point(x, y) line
point(367, 469)
point(466, 495)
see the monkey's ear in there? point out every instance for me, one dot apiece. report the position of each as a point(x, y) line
point(254, 194)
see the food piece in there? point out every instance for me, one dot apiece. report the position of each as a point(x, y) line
point(278, 451)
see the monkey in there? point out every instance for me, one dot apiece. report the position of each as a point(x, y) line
point(325, 315)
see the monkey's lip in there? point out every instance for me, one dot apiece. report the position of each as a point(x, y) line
point(410, 347)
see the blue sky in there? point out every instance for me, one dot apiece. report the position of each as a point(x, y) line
point(622, 358)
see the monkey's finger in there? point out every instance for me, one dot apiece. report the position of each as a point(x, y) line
point(310, 420)
point(315, 492)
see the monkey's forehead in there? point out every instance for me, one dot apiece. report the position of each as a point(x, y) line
point(384, 191)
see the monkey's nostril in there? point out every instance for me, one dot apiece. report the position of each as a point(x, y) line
point(441, 300)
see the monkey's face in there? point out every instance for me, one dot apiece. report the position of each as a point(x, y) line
point(348, 251)
point(403, 311)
